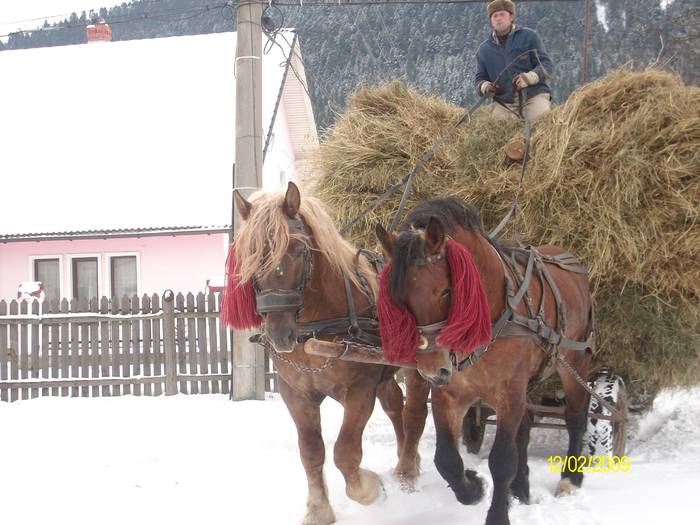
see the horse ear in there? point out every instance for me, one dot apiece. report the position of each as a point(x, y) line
point(386, 239)
point(292, 200)
point(243, 206)
point(434, 237)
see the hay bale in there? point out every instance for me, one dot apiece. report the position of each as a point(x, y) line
point(614, 177)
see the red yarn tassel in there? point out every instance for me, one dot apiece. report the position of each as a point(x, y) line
point(397, 327)
point(238, 304)
point(469, 322)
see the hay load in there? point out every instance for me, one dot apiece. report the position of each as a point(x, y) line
point(614, 176)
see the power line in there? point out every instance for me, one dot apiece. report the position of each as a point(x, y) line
point(352, 3)
point(164, 14)
point(41, 18)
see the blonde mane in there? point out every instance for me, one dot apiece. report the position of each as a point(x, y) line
point(263, 239)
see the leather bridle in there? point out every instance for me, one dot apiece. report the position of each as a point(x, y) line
point(279, 300)
point(363, 329)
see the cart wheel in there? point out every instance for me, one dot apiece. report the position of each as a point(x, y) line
point(473, 431)
point(605, 437)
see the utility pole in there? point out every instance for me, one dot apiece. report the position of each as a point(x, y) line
point(586, 38)
point(248, 359)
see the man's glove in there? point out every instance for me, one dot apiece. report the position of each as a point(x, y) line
point(526, 79)
point(489, 87)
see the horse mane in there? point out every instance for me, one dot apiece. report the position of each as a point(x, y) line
point(450, 211)
point(264, 238)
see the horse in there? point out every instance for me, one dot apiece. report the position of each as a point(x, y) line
point(291, 273)
point(462, 300)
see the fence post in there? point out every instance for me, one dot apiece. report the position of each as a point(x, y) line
point(169, 343)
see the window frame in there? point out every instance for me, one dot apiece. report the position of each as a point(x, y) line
point(69, 271)
point(74, 282)
point(110, 270)
point(32, 271)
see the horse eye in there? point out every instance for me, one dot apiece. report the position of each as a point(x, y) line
point(445, 292)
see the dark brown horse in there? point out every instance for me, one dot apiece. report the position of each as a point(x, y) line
point(291, 273)
point(463, 290)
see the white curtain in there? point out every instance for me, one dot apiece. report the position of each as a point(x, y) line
point(86, 279)
point(124, 276)
point(47, 271)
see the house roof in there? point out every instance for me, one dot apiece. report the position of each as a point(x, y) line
point(116, 233)
point(122, 136)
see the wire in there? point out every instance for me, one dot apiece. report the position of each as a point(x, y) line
point(350, 3)
point(272, 31)
point(165, 14)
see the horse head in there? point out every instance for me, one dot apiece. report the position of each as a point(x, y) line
point(434, 297)
point(273, 261)
point(287, 267)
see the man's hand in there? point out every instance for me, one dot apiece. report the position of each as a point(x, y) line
point(526, 79)
point(489, 87)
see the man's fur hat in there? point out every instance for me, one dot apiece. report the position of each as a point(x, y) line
point(500, 5)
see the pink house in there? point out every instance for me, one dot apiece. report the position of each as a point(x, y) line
point(117, 167)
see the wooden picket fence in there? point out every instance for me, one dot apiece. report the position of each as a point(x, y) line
point(139, 346)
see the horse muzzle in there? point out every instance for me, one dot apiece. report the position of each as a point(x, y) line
point(440, 379)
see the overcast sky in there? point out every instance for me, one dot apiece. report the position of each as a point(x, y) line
point(14, 14)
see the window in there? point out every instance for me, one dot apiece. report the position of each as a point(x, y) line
point(85, 278)
point(123, 276)
point(48, 272)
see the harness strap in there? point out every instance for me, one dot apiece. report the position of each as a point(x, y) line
point(340, 326)
point(514, 301)
point(352, 313)
point(498, 330)
point(512, 324)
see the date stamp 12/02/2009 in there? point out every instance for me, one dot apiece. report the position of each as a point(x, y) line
point(586, 464)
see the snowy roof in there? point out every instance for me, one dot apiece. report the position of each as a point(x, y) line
point(134, 134)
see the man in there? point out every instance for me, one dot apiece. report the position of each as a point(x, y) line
point(511, 60)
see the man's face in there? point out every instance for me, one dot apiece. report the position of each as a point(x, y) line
point(501, 21)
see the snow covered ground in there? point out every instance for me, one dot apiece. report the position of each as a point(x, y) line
point(204, 459)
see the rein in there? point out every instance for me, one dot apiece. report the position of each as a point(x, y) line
point(407, 181)
point(512, 212)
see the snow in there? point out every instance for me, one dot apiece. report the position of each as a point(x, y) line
point(29, 287)
point(187, 459)
point(129, 134)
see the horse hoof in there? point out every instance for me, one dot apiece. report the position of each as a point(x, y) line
point(367, 490)
point(406, 483)
point(493, 518)
point(407, 475)
point(470, 490)
point(319, 515)
point(564, 488)
point(521, 491)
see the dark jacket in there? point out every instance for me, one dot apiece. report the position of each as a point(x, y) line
point(519, 52)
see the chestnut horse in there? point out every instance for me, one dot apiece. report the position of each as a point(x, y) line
point(459, 297)
point(289, 269)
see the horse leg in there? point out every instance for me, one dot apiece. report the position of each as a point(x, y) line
point(448, 414)
point(520, 486)
point(391, 398)
point(363, 486)
point(307, 418)
point(415, 412)
point(576, 416)
point(503, 459)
